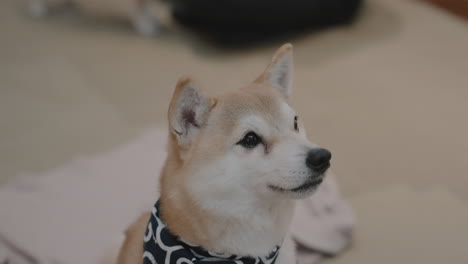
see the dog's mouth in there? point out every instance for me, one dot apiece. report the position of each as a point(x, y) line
point(302, 188)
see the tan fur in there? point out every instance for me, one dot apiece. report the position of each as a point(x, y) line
point(132, 250)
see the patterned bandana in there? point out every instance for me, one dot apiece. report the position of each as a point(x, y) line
point(162, 247)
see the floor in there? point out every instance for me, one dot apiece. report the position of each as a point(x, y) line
point(388, 95)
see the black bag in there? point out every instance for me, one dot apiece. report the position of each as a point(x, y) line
point(244, 21)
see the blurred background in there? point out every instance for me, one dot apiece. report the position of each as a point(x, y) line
point(383, 84)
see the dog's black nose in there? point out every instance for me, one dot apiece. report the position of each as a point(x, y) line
point(318, 159)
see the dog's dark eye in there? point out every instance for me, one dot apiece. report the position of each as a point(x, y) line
point(250, 140)
point(296, 127)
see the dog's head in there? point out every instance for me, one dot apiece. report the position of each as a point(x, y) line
point(246, 145)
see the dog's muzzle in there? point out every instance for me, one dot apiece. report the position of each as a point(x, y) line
point(318, 161)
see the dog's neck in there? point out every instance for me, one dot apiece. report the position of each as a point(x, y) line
point(255, 232)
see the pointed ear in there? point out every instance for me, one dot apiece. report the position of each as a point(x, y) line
point(279, 73)
point(188, 111)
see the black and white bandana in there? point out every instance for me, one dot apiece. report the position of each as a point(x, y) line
point(162, 247)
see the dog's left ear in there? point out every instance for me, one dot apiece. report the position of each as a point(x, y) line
point(279, 73)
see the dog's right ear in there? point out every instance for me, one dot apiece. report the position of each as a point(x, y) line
point(279, 73)
point(188, 111)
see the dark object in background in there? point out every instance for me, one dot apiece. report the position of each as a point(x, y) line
point(457, 7)
point(234, 22)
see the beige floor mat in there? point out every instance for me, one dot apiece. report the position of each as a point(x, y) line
point(388, 95)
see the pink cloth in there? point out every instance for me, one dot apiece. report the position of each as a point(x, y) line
point(75, 213)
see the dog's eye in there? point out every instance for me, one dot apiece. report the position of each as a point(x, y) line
point(250, 140)
point(296, 127)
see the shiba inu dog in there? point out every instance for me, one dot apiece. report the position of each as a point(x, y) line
point(235, 165)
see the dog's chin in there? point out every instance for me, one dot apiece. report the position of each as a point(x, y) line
point(304, 190)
